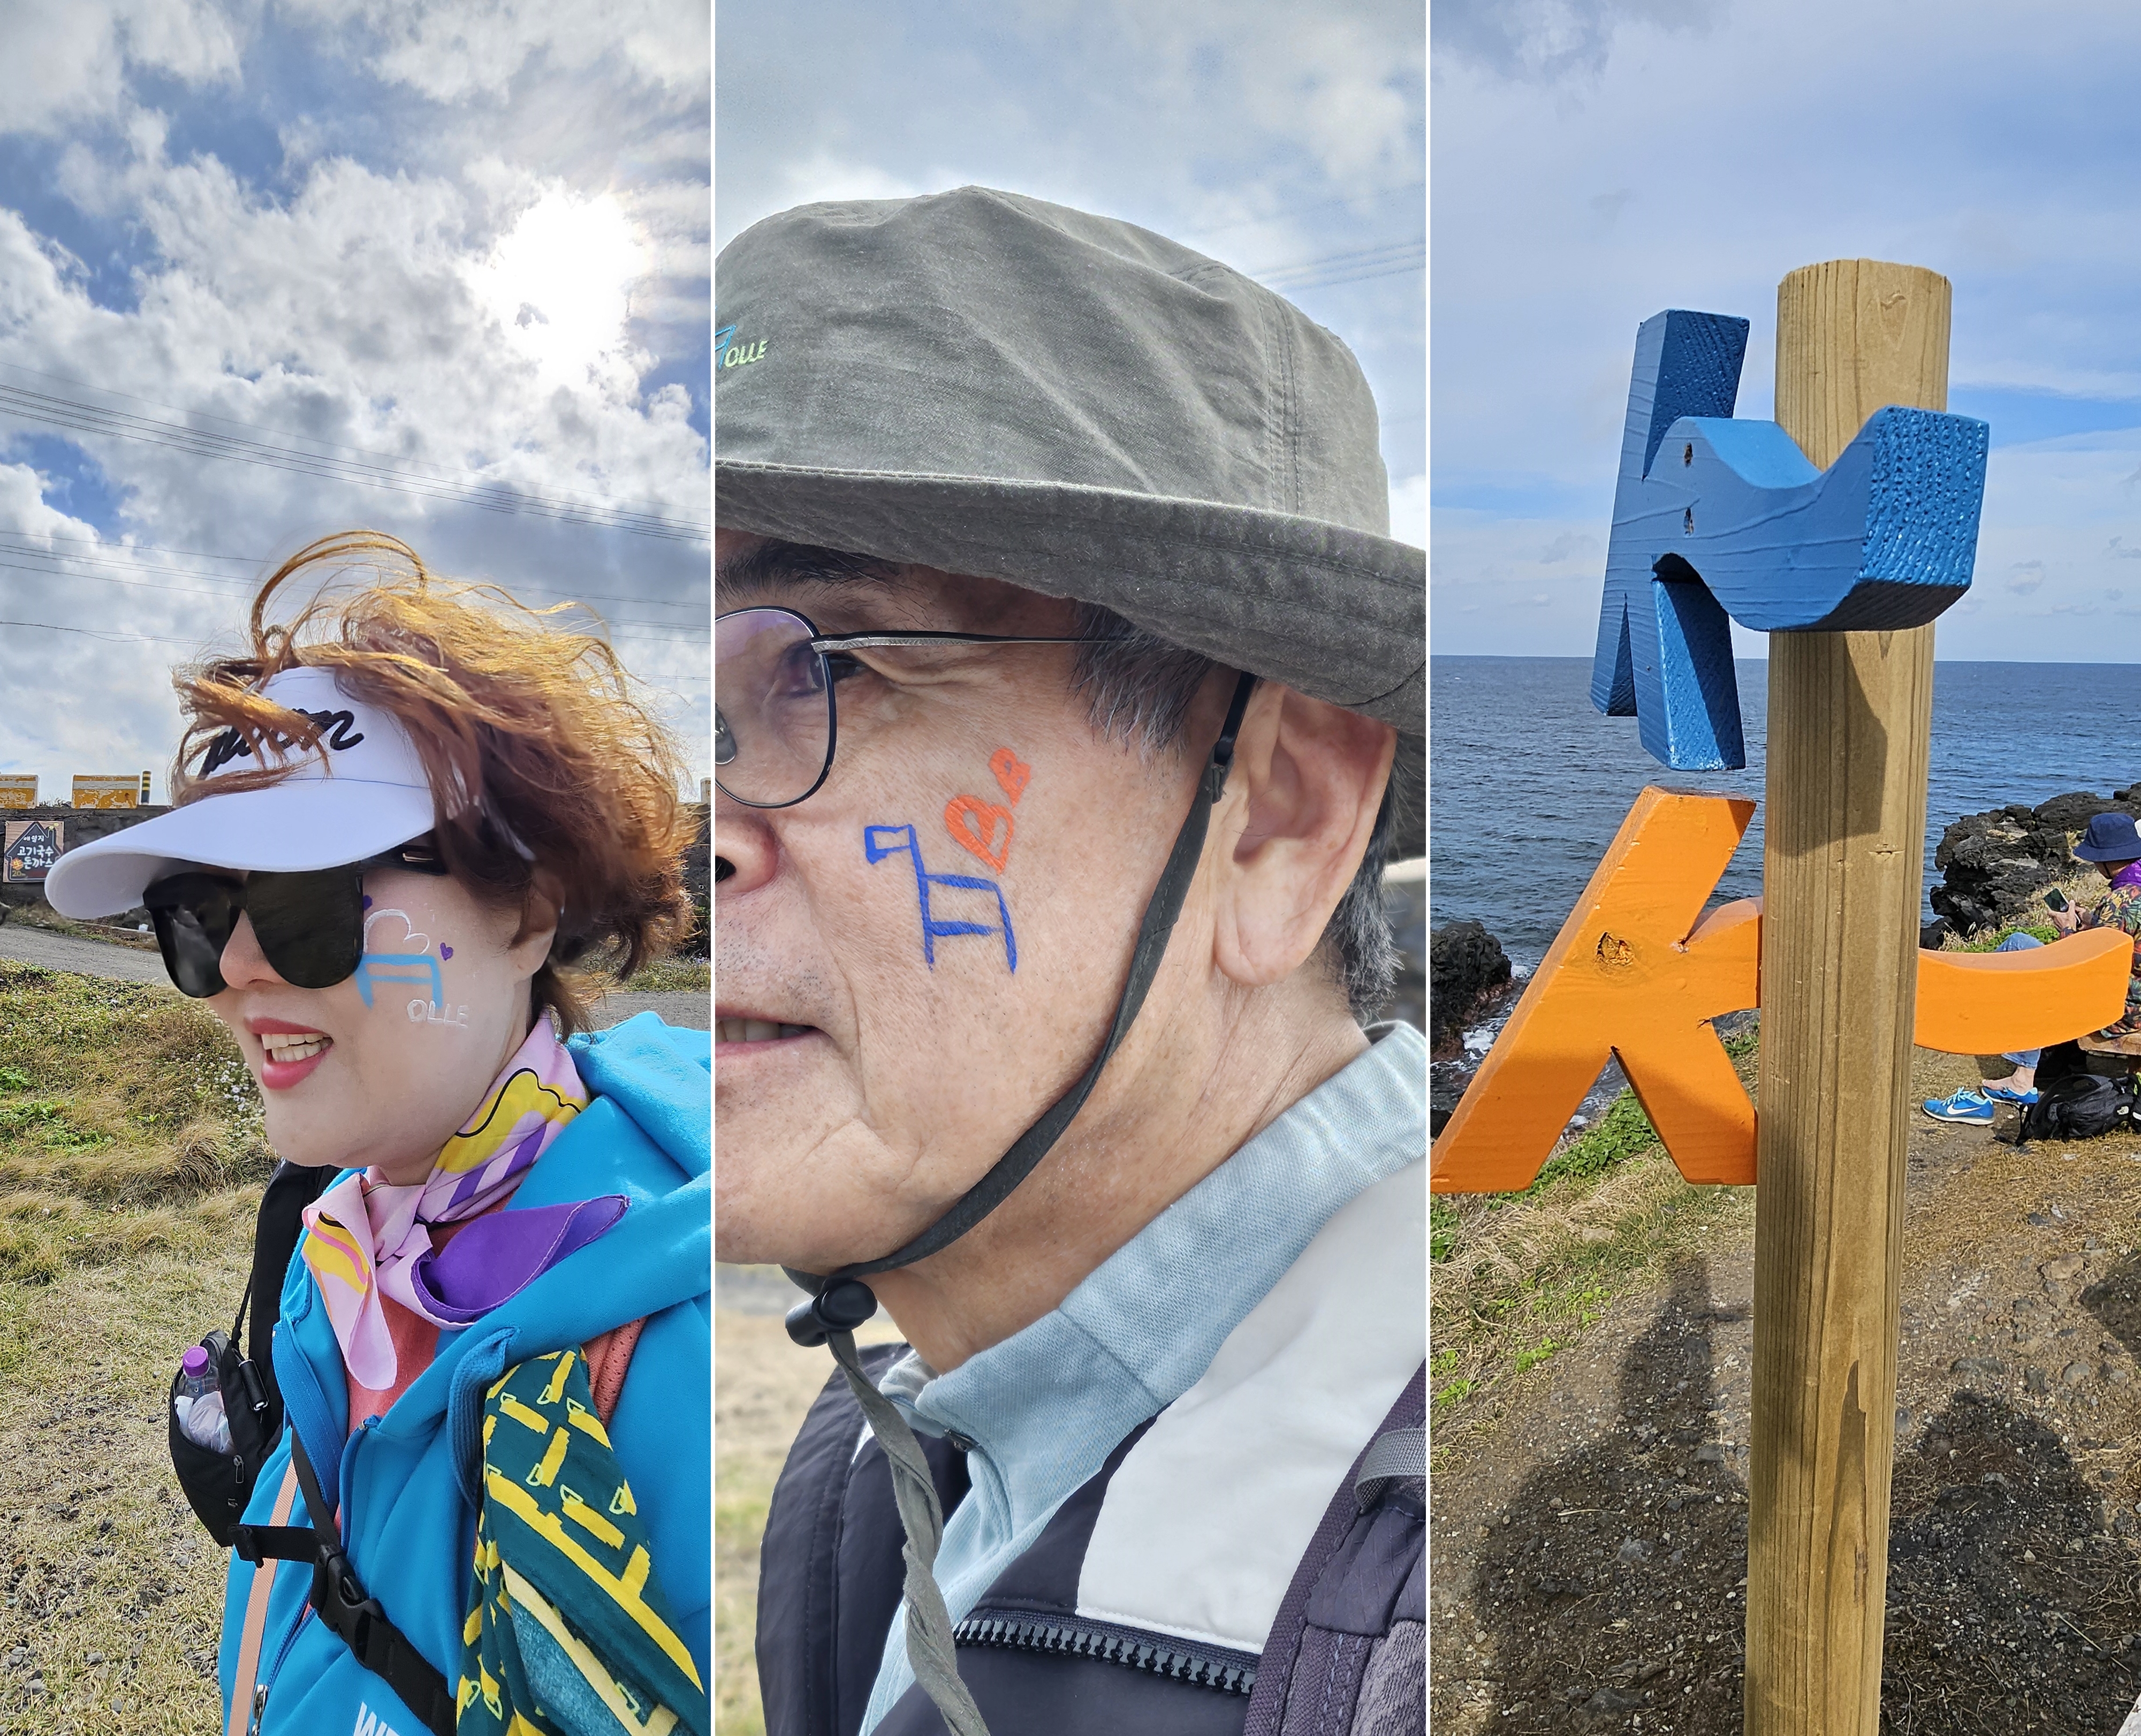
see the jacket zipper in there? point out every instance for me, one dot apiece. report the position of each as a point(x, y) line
point(1181, 1661)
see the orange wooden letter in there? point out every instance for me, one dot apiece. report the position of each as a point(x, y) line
point(1630, 974)
point(1633, 974)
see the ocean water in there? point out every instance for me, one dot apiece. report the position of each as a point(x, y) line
point(1527, 784)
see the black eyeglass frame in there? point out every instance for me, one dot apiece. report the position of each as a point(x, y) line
point(820, 643)
point(344, 881)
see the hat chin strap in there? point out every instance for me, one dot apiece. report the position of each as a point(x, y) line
point(841, 1301)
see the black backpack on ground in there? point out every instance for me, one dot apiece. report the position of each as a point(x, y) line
point(2081, 1106)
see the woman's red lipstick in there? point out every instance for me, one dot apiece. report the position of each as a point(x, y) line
point(305, 1046)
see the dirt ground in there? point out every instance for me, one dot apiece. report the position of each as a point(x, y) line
point(763, 1384)
point(1590, 1542)
point(113, 1593)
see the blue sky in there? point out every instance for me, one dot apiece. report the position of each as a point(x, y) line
point(1594, 162)
point(1269, 135)
point(465, 246)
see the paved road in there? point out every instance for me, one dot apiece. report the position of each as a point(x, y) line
point(125, 964)
point(70, 952)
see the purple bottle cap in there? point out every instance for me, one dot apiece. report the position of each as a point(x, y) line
point(195, 1362)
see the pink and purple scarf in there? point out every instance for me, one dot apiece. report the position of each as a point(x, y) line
point(372, 1239)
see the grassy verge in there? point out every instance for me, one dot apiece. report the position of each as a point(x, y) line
point(2081, 888)
point(674, 976)
point(1518, 1277)
point(131, 1162)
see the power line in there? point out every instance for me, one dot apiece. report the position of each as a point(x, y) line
point(665, 628)
point(244, 586)
point(391, 460)
point(1320, 204)
point(82, 417)
point(1344, 268)
point(142, 639)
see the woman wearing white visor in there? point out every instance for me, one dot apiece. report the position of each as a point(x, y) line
point(401, 818)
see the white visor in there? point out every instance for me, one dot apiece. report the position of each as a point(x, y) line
point(370, 795)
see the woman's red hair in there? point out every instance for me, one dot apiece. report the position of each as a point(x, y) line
point(542, 758)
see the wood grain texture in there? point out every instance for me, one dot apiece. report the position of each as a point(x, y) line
point(1850, 717)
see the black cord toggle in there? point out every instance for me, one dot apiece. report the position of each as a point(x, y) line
point(841, 1306)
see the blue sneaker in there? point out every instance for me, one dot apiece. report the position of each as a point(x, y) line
point(1964, 1106)
point(2008, 1094)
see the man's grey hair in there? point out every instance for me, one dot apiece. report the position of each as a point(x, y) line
point(1139, 688)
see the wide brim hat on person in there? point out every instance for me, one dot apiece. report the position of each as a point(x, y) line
point(356, 787)
point(2110, 838)
point(991, 385)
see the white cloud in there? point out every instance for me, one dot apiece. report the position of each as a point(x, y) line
point(1409, 511)
point(67, 63)
point(360, 308)
point(451, 49)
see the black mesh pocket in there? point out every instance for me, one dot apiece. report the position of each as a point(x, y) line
point(217, 1485)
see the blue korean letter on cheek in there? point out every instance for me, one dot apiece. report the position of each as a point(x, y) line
point(412, 966)
point(934, 929)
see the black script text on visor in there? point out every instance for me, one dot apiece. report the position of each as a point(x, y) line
point(310, 925)
point(775, 722)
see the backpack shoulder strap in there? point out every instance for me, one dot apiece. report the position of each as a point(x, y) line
point(1330, 1615)
point(342, 1603)
point(830, 1566)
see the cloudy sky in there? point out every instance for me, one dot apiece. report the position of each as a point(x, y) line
point(1285, 138)
point(1595, 161)
point(270, 268)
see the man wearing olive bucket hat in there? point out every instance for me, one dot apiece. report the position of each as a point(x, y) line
point(1070, 701)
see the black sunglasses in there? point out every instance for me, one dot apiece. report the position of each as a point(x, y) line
point(310, 925)
point(775, 722)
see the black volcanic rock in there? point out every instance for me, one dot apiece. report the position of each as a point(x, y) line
point(1466, 963)
point(1992, 864)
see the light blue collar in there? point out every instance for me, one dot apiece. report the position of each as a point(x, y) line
point(1046, 1407)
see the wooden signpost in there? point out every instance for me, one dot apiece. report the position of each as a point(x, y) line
point(1844, 529)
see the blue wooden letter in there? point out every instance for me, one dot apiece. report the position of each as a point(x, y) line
point(1713, 518)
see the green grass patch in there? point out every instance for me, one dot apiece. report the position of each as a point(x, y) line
point(1989, 940)
point(1520, 1277)
point(673, 976)
point(130, 1159)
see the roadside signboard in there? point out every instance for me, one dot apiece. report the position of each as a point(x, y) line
point(18, 789)
point(31, 847)
point(118, 791)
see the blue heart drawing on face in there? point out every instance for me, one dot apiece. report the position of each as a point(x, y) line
point(445, 952)
point(368, 901)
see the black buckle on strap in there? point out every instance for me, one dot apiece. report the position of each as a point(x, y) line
point(256, 1543)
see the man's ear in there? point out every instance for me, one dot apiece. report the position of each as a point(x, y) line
point(541, 908)
point(1307, 783)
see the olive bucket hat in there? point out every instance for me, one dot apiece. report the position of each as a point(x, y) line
point(992, 385)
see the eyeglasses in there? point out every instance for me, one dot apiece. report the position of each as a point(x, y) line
point(775, 721)
point(310, 925)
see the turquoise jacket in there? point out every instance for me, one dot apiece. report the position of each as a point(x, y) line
point(407, 1480)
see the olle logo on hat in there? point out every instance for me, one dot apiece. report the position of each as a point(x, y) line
point(728, 353)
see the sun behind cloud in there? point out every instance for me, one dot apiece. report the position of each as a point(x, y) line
point(560, 281)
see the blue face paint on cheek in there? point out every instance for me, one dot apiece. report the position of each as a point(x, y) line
point(410, 967)
point(934, 929)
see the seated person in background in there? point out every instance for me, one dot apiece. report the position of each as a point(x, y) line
point(2113, 842)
